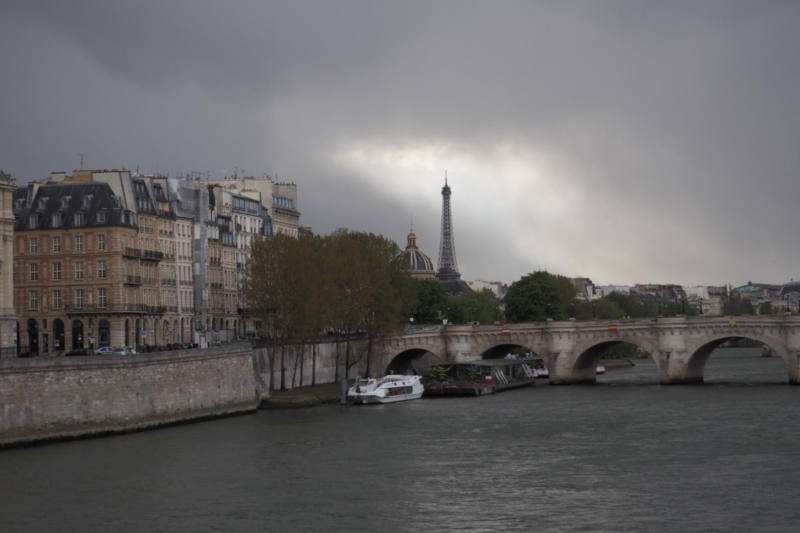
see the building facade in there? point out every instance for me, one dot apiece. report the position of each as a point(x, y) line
point(109, 258)
point(8, 319)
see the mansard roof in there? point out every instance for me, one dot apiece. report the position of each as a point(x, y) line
point(67, 199)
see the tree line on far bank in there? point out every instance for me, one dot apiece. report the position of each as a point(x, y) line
point(541, 295)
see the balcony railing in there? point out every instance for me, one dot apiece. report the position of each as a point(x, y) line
point(169, 257)
point(168, 281)
point(216, 285)
point(143, 254)
point(133, 280)
point(240, 266)
point(72, 309)
point(186, 282)
point(152, 255)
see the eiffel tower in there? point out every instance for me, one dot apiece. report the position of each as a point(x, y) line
point(448, 265)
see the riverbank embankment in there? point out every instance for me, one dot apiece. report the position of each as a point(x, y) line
point(49, 398)
point(308, 396)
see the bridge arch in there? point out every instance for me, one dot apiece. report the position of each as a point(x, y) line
point(588, 353)
point(400, 363)
point(699, 350)
point(500, 351)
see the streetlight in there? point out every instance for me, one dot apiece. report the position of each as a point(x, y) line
point(572, 306)
point(594, 311)
point(547, 311)
point(497, 314)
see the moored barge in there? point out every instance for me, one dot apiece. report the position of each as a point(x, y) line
point(478, 378)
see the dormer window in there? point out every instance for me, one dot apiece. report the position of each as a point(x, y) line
point(78, 219)
point(18, 204)
point(101, 216)
point(117, 201)
point(33, 222)
point(65, 201)
point(42, 202)
point(56, 220)
point(87, 201)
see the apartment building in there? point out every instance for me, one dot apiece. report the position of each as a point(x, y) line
point(109, 258)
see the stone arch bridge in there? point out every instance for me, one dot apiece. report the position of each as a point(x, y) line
point(571, 350)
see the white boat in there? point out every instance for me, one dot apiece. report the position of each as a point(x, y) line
point(601, 370)
point(388, 389)
point(542, 373)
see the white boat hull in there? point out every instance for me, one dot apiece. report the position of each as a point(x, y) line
point(371, 398)
point(389, 389)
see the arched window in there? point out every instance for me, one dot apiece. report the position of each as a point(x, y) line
point(104, 338)
point(77, 334)
point(59, 339)
point(33, 336)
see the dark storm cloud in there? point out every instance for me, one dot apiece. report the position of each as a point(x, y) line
point(627, 141)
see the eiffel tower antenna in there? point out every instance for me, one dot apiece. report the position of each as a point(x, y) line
point(448, 265)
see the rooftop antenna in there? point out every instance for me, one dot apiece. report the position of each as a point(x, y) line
point(235, 172)
point(82, 156)
point(445, 177)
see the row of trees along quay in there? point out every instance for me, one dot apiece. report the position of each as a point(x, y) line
point(347, 283)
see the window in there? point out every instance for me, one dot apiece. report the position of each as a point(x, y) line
point(33, 245)
point(33, 300)
point(101, 269)
point(101, 217)
point(78, 270)
point(79, 219)
point(56, 220)
point(101, 298)
point(79, 299)
point(34, 272)
point(56, 299)
point(33, 222)
point(78, 243)
point(56, 244)
point(101, 242)
point(56, 271)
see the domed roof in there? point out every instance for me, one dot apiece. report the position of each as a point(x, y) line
point(415, 262)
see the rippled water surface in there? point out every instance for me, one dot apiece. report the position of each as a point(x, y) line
point(623, 455)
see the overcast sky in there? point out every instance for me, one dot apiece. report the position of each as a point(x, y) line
point(624, 141)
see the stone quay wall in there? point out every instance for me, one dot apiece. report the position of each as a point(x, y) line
point(325, 363)
point(70, 397)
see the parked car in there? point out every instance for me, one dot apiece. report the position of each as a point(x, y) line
point(105, 350)
point(127, 350)
point(79, 351)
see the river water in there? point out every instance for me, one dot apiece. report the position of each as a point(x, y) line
point(625, 454)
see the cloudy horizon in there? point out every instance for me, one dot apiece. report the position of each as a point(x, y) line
point(629, 142)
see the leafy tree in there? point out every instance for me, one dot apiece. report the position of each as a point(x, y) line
point(431, 301)
point(482, 306)
point(604, 308)
point(268, 290)
point(529, 299)
point(390, 289)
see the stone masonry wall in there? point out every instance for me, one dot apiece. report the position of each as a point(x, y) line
point(53, 398)
point(325, 367)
